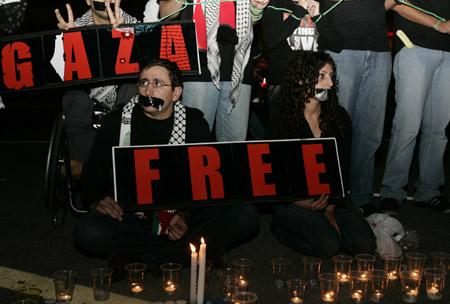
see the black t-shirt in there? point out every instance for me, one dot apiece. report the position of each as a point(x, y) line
point(421, 35)
point(363, 25)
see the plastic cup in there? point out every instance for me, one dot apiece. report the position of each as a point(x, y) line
point(379, 280)
point(101, 283)
point(244, 297)
point(329, 287)
point(245, 267)
point(440, 260)
point(171, 277)
point(409, 283)
point(392, 265)
point(311, 270)
point(415, 261)
point(342, 265)
point(365, 262)
point(135, 277)
point(435, 282)
point(280, 270)
point(296, 290)
point(357, 285)
point(64, 285)
point(224, 275)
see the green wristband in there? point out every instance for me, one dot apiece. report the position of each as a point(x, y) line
point(437, 24)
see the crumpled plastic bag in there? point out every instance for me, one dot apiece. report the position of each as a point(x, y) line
point(388, 232)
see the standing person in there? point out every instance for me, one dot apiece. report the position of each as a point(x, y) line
point(318, 227)
point(11, 16)
point(224, 35)
point(285, 32)
point(422, 74)
point(159, 236)
point(78, 105)
point(364, 66)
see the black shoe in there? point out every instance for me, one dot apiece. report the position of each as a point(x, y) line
point(117, 263)
point(438, 203)
point(390, 206)
point(368, 209)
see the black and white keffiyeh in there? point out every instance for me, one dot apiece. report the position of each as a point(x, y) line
point(178, 130)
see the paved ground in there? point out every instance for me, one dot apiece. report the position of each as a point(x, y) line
point(31, 249)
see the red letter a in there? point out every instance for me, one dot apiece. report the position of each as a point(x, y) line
point(173, 35)
point(312, 169)
point(199, 171)
point(145, 175)
point(74, 46)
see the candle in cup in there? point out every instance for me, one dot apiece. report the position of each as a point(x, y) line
point(296, 300)
point(64, 297)
point(328, 297)
point(135, 288)
point(393, 275)
point(376, 296)
point(357, 297)
point(342, 277)
point(243, 283)
point(170, 287)
point(433, 293)
point(410, 296)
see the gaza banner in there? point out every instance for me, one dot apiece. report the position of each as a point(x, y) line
point(94, 54)
point(177, 176)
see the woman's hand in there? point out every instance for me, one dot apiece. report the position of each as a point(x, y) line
point(108, 206)
point(313, 204)
point(329, 214)
point(62, 24)
point(114, 17)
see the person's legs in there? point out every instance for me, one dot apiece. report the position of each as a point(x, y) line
point(413, 77)
point(356, 234)
point(436, 117)
point(306, 231)
point(364, 80)
point(203, 96)
point(233, 126)
point(100, 234)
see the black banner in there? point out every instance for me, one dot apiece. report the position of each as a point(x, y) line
point(94, 54)
point(173, 176)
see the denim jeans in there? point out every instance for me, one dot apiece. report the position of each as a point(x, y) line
point(364, 78)
point(215, 103)
point(221, 227)
point(310, 233)
point(423, 103)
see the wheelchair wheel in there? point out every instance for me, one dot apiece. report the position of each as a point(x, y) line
point(59, 184)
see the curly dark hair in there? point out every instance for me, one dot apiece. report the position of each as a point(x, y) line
point(175, 75)
point(301, 76)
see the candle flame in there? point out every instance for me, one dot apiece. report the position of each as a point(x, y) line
point(202, 240)
point(192, 247)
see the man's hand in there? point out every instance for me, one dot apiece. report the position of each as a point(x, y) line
point(62, 24)
point(177, 227)
point(313, 7)
point(114, 17)
point(313, 204)
point(108, 206)
point(329, 214)
point(259, 4)
point(444, 27)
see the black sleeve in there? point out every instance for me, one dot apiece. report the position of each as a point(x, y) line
point(274, 28)
point(273, 126)
point(95, 178)
point(330, 37)
point(345, 147)
point(11, 16)
point(197, 128)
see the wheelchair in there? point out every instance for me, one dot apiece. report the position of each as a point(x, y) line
point(62, 189)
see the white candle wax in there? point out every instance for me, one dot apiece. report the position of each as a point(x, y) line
point(136, 288)
point(356, 297)
point(201, 272)
point(343, 278)
point(393, 275)
point(194, 263)
point(433, 293)
point(170, 288)
point(296, 300)
point(63, 296)
point(410, 296)
point(328, 297)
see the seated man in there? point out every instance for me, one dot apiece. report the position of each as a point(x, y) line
point(151, 118)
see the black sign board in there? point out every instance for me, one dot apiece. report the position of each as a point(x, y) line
point(94, 54)
point(174, 176)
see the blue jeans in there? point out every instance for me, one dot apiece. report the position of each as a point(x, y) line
point(423, 103)
point(310, 233)
point(215, 103)
point(221, 226)
point(364, 78)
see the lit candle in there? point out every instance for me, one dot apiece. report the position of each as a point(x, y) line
point(296, 300)
point(243, 283)
point(433, 293)
point(342, 277)
point(328, 297)
point(393, 275)
point(376, 296)
point(136, 288)
point(357, 297)
point(63, 297)
point(170, 287)
point(410, 296)
point(201, 272)
point(194, 262)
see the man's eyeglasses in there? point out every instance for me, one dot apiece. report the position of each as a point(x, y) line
point(157, 84)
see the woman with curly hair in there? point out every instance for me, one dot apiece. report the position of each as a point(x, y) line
point(308, 108)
